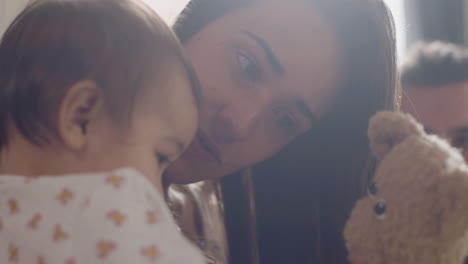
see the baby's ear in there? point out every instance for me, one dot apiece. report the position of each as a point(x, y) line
point(387, 129)
point(81, 104)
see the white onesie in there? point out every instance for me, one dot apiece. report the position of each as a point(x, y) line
point(116, 218)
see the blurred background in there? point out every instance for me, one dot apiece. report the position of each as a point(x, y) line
point(416, 20)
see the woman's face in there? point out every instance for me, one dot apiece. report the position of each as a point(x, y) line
point(267, 73)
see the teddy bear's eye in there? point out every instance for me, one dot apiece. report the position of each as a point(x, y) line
point(372, 189)
point(380, 208)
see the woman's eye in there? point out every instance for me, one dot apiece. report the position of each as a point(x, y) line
point(162, 159)
point(249, 67)
point(285, 122)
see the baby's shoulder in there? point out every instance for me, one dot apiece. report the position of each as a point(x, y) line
point(128, 188)
point(118, 211)
point(122, 187)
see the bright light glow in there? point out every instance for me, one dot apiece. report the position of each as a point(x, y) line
point(9, 9)
point(167, 9)
point(398, 10)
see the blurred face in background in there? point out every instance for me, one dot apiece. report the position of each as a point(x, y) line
point(442, 110)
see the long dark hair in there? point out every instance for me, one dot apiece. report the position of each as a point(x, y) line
point(304, 194)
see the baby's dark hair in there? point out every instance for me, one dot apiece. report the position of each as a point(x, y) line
point(52, 44)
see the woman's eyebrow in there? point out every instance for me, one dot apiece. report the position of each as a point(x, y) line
point(272, 58)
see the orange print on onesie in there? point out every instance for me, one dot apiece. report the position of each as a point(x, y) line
point(59, 234)
point(34, 222)
point(13, 204)
point(150, 253)
point(151, 218)
point(105, 248)
point(116, 217)
point(65, 196)
point(13, 252)
point(115, 181)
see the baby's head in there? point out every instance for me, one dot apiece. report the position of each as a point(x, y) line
point(90, 85)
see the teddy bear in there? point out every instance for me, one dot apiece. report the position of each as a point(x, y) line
point(416, 209)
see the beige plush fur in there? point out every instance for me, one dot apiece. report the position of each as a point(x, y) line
point(423, 183)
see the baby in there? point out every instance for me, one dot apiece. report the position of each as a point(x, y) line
point(96, 99)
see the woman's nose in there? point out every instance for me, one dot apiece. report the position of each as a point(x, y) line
point(236, 121)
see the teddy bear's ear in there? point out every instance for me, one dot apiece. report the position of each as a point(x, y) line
point(387, 129)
